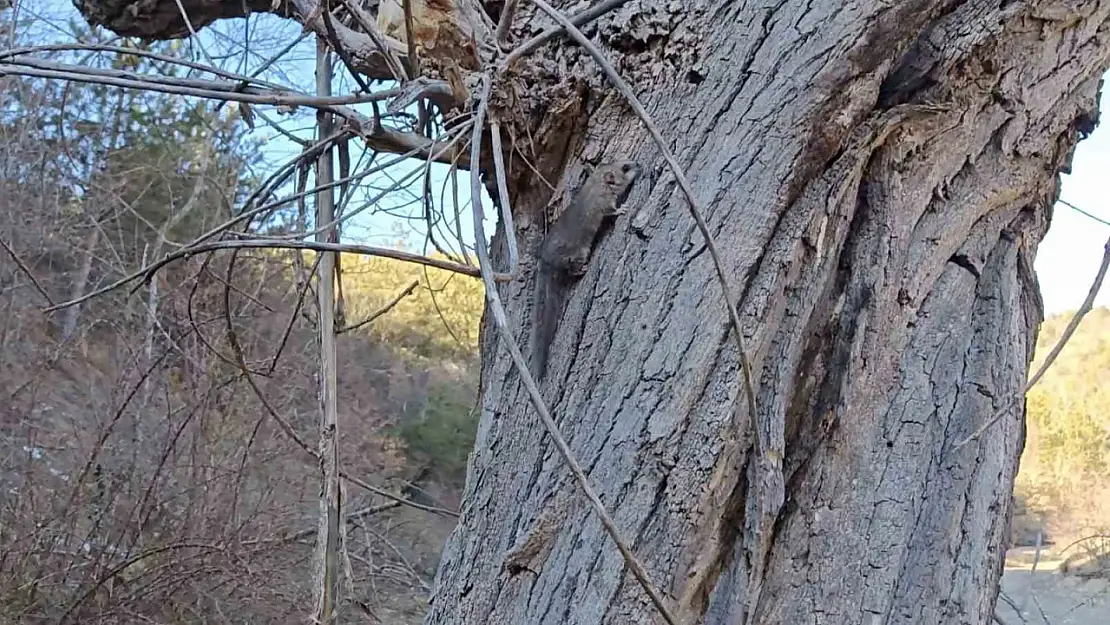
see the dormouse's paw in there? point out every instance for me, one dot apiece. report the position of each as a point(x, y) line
point(576, 266)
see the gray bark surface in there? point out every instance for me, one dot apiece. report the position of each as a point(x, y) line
point(877, 179)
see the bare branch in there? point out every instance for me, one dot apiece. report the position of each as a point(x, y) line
point(378, 137)
point(193, 32)
point(401, 500)
point(384, 309)
point(437, 91)
point(287, 429)
point(503, 197)
point(329, 524)
point(370, 53)
point(363, 174)
point(410, 39)
point(97, 47)
point(212, 89)
point(508, 10)
point(26, 271)
point(346, 248)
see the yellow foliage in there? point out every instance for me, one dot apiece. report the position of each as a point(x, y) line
point(1067, 451)
point(440, 319)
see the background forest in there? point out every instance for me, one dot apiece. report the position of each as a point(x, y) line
point(153, 439)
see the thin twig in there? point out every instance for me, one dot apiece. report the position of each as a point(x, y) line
point(1033, 569)
point(384, 309)
point(1091, 597)
point(503, 196)
point(508, 10)
point(373, 202)
point(381, 138)
point(193, 32)
point(302, 290)
point(198, 247)
point(388, 495)
point(287, 429)
point(1044, 617)
point(111, 573)
point(15, 6)
point(370, 27)
point(410, 40)
point(1080, 541)
point(305, 533)
point(1088, 304)
point(26, 270)
point(96, 47)
point(198, 87)
point(501, 319)
point(1084, 213)
point(1009, 601)
point(345, 248)
point(261, 68)
point(279, 178)
point(334, 42)
point(276, 243)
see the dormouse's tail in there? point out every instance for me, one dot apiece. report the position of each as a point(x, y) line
point(547, 307)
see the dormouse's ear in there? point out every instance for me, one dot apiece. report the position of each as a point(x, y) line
point(610, 177)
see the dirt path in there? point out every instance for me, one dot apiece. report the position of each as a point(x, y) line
point(1045, 597)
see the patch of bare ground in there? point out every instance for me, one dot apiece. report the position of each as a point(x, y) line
point(1037, 590)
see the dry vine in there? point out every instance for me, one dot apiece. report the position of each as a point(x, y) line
point(521, 363)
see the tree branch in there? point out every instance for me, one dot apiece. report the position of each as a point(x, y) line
point(346, 248)
point(26, 271)
point(378, 137)
point(383, 310)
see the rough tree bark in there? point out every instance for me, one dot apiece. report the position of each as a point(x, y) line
point(878, 177)
point(885, 260)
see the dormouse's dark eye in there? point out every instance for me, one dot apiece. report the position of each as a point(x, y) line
point(626, 168)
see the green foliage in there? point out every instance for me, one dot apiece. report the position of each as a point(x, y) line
point(440, 434)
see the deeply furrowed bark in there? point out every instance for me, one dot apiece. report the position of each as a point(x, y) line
point(885, 259)
point(878, 179)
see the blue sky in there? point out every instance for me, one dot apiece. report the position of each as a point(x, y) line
point(1069, 256)
point(1066, 262)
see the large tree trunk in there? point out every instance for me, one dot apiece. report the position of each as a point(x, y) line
point(877, 176)
point(883, 256)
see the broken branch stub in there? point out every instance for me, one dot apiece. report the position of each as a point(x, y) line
point(451, 31)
